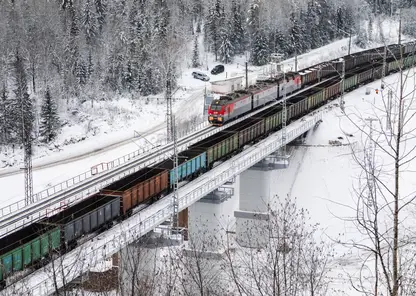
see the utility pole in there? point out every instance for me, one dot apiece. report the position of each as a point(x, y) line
point(349, 44)
point(169, 114)
point(389, 109)
point(342, 86)
point(246, 75)
point(284, 117)
point(400, 27)
point(296, 60)
point(370, 153)
point(27, 146)
point(383, 71)
point(175, 201)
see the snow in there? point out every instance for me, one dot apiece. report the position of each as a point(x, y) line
point(129, 230)
point(320, 175)
point(324, 177)
point(109, 126)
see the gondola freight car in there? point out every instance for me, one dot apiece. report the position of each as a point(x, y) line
point(35, 242)
point(27, 247)
point(94, 213)
point(138, 187)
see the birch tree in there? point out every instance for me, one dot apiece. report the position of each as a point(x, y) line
point(383, 200)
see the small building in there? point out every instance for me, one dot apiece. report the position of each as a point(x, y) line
point(227, 85)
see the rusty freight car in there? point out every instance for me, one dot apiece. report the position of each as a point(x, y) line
point(139, 187)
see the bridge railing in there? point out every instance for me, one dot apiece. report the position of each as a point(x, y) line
point(93, 172)
point(138, 225)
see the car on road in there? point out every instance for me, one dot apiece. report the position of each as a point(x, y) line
point(217, 69)
point(200, 76)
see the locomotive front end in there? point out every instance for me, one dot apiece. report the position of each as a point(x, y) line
point(216, 113)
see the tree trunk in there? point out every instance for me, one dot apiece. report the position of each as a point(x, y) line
point(396, 187)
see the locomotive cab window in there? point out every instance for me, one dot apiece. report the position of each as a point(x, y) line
point(216, 107)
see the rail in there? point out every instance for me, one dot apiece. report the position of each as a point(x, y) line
point(67, 184)
point(53, 204)
point(43, 281)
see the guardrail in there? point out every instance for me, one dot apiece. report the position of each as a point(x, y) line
point(67, 184)
point(56, 203)
point(42, 281)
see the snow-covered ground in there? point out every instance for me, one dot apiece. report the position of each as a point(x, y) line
point(114, 137)
point(325, 178)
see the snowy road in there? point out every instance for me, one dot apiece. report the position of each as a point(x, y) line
point(64, 165)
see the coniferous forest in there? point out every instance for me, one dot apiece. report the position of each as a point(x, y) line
point(53, 51)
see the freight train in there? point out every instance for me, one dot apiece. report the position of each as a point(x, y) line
point(233, 105)
point(36, 244)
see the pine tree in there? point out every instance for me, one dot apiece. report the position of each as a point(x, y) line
point(81, 73)
point(213, 26)
point(89, 22)
point(259, 52)
point(237, 36)
point(162, 20)
point(22, 107)
point(226, 50)
point(49, 120)
point(90, 66)
point(4, 115)
point(198, 27)
point(101, 9)
point(195, 54)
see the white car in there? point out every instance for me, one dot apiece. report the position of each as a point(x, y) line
point(200, 76)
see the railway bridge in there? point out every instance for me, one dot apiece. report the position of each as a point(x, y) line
point(248, 164)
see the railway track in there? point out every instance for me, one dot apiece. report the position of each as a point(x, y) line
point(51, 205)
point(55, 203)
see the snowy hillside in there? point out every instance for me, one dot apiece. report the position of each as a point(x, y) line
point(113, 121)
point(112, 124)
point(327, 180)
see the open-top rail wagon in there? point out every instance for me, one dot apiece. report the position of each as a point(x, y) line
point(139, 187)
point(35, 242)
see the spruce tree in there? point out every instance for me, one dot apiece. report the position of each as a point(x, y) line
point(237, 32)
point(213, 26)
point(259, 52)
point(89, 22)
point(49, 120)
point(90, 66)
point(22, 106)
point(101, 9)
point(226, 50)
point(195, 54)
point(4, 115)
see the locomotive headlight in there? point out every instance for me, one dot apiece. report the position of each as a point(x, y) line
point(210, 118)
point(219, 118)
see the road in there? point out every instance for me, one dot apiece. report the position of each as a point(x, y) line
point(90, 152)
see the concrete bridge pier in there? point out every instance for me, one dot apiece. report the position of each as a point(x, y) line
point(143, 264)
point(211, 218)
point(252, 217)
point(209, 222)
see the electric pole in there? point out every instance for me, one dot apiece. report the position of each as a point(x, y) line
point(349, 44)
point(284, 117)
point(342, 86)
point(296, 60)
point(27, 146)
point(26, 110)
point(383, 71)
point(370, 153)
point(175, 201)
point(169, 113)
point(389, 109)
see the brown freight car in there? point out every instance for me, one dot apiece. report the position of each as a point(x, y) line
point(138, 187)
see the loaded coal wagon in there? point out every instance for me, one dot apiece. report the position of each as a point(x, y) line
point(137, 188)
